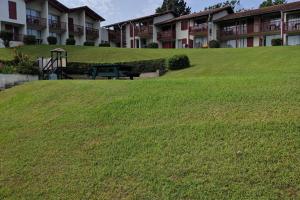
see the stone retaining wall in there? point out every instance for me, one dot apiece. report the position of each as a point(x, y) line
point(10, 80)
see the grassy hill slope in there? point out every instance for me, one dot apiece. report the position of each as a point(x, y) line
point(223, 129)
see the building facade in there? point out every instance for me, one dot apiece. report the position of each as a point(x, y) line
point(250, 28)
point(44, 18)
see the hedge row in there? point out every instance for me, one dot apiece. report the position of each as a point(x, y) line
point(138, 66)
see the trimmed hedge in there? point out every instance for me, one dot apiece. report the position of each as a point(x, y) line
point(89, 43)
point(104, 45)
point(6, 37)
point(70, 41)
point(277, 42)
point(178, 62)
point(52, 40)
point(153, 45)
point(214, 44)
point(78, 68)
point(29, 40)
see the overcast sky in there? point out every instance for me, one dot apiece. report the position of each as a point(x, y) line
point(120, 10)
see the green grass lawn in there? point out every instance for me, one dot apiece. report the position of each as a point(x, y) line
point(226, 128)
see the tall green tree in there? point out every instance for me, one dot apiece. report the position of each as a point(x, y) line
point(268, 3)
point(179, 7)
point(232, 3)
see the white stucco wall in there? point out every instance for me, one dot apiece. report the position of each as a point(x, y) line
point(21, 12)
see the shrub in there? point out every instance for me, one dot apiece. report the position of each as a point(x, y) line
point(52, 40)
point(104, 45)
point(24, 65)
point(7, 69)
point(277, 42)
point(89, 43)
point(153, 45)
point(6, 37)
point(178, 62)
point(29, 39)
point(214, 44)
point(70, 41)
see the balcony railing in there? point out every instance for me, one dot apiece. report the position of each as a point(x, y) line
point(271, 27)
point(75, 30)
point(166, 35)
point(91, 33)
point(57, 26)
point(201, 29)
point(234, 31)
point(293, 26)
point(36, 22)
point(145, 32)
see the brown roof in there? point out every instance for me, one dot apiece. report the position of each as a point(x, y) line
point(140, 18)
point(89, 12)
point(198, 14)
point(261, 11)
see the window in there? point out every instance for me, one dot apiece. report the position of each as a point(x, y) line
point(53, 18)
point(12, 10)
point(89, 25)
point(36, 33)
point(184, 25)
point(33, 13)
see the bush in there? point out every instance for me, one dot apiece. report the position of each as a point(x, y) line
point(277, 42)
point(89, 43)
point(153, 45)
point(178, 62)
point(29, 39)
point(24, 65)
point(70, 41)
point(6, 37)
point(7, 69)
point(52, 40)
point(104, 45)
point(138, 66)
point(214, 44)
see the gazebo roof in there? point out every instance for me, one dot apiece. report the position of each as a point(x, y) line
point(58, 50)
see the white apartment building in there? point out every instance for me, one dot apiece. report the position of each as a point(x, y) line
point(44, 18)
point(250, 28)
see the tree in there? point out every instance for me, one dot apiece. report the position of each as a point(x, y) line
point(268, 3)
point(179, 7)
point(232, 3)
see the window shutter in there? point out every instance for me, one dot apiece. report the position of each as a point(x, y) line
point(12, 9)
point(184, 25)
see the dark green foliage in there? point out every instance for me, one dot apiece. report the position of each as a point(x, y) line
point(214, 44)
point(268, 3)
point(24, 65)
point(277, 42)
point(104, 45)
point(89, 43)
point(6, 37)
point(178, 62)
point(179, 7)
point(232, 3)
point(52, 40)
point(29, 40)
point(153, 45)
point(138, 66)
point(70, 41)
point(7, 69)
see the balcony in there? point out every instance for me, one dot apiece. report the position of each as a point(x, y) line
point(37, 23)
point(145, 32)
point(91, 33)
point(271, 27)
point(199, 30)
point(169, 35)
point(292, 26)
point(114, 36)
point(57, 26)
point(234, 32)
point(75, 30)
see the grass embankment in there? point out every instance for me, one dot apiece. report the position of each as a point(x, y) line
point(227, 128)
